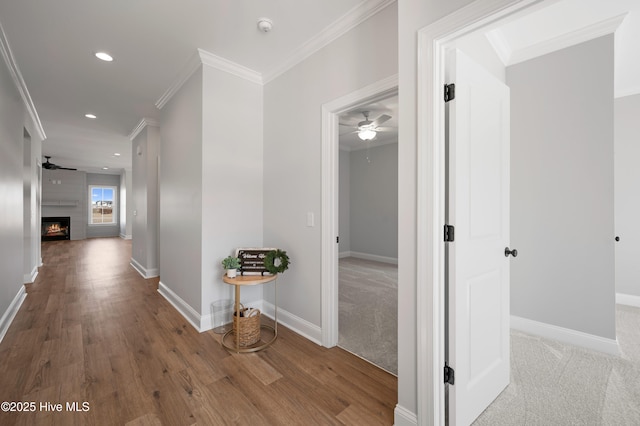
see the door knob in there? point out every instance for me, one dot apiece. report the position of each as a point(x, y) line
point(508, 252)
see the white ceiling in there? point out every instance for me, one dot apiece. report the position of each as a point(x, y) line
point(153, 40)
point(569, 22)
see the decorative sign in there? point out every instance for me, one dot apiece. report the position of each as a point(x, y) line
point(252, 260)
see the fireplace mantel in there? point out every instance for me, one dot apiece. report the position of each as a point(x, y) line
point(60, 203)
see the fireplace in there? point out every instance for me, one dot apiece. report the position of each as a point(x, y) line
point(56, 228)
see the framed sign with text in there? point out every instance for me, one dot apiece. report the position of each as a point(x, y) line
point(252, 260)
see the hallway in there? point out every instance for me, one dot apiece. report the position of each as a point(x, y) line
point(93, 331)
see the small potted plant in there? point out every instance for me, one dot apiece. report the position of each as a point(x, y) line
point(231, 264)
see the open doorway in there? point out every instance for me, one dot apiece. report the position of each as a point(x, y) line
point(575, 152)
point(331, 112)
point(368, 229)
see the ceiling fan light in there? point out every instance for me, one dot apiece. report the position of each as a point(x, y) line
point(366, 134)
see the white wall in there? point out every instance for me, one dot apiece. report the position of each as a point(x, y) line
point(231, 178)
point(562, 205)
point(210, 187)
point(292, 148)
point(31, 206)
point(145, 247)
point(413, 15)
point(344, 202)
point(11, 191)
point(374, 202)
point(19, 222)
point(627, 196)
point(181, 192)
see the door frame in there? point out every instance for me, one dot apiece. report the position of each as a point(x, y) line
point(433, 41)
point(330, 191)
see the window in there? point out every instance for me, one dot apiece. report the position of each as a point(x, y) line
point(102, 204)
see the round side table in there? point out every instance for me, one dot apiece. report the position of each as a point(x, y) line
point(247, 280)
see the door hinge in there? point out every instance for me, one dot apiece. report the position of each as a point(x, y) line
point(337, 239)
point(449, 233)
point(449, 92)
point(449, 374)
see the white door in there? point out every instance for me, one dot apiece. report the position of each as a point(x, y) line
point(478, 207)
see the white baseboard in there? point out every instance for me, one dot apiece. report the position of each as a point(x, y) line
point(181, 306)
point(404, 417)
point(12, 310)
point(294, 323)
point(566, 335)
point(628, 299)
point(125, 237)
point(374, 257)
point(146, 273)
point(343, 254)
point(29, 278)
point(205, 322)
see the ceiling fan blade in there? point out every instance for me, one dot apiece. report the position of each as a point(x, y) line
point(378, 121)
point(64, 168)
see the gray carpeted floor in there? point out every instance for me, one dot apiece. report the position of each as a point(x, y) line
point(557, 384)
point(368, 312)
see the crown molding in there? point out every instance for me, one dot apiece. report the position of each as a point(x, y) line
point(16, 75)
point(500, 45)
point(141, 125)
point(347, 22)
point(187, 71)
point(202, 57)
point(231, 67)
point(563, 41)
point(341, 26)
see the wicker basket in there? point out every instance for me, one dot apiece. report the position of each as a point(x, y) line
point(246, 327)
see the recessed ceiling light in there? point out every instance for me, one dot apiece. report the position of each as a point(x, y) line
point(90, 116)
point(104, 56)
point(105, 168)
point(116, 154)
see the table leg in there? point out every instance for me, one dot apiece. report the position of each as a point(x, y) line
point(237, 313)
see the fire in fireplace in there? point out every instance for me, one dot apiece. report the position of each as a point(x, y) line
point(56, 228)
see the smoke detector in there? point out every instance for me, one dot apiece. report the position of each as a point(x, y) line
point(265, 24)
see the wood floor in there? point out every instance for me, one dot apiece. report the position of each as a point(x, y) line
point(93, 332)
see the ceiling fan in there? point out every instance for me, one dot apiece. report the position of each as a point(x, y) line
point(367, 129)
point(50, 166)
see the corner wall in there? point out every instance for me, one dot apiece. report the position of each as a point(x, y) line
point(181, 196)
point(413, 15)
point(292, 150)
point(232, 170)
point(210, 188)
point(145, 202)
point(11, 193)
point(20, 153)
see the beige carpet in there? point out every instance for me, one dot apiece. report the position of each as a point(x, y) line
point(557, 384)
point(368, 313)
